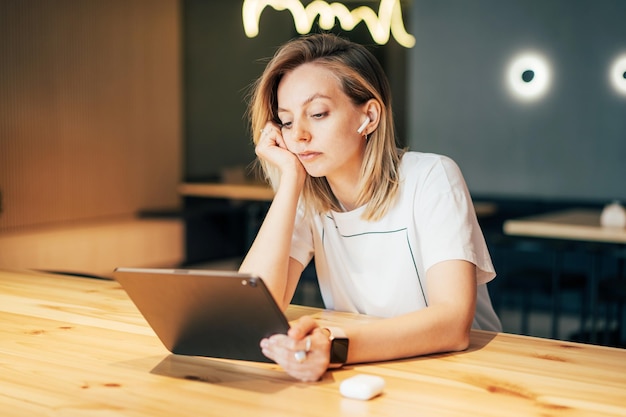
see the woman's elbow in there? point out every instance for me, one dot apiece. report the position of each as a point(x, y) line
point(458, 337)
point(460, 342)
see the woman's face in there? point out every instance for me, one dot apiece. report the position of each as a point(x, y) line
point(320, 122)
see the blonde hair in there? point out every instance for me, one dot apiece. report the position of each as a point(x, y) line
point(362, 79)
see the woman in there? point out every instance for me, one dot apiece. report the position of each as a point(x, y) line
point(393, 233)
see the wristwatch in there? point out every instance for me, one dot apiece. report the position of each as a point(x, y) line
point(338, 347)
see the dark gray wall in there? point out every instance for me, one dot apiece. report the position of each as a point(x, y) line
point(570, 144)
point(220, 62)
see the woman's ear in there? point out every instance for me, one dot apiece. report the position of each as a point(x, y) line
point(373, 111)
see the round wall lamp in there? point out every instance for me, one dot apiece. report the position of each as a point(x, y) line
point(617, 74)
point(528, 76)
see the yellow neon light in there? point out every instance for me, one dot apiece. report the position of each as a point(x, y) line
point(388, 20)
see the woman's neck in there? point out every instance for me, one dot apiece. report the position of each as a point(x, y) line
point(345, 183)
point(346, 192)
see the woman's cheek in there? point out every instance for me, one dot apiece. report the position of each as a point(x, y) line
point(287, 144)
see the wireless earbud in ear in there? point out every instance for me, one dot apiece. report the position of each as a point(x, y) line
point(363, 126)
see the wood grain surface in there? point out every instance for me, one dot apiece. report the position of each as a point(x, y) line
point(72, 346)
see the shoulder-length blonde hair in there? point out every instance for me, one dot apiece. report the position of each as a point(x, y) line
point(361, 78)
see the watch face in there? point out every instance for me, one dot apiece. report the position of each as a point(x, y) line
point(339, 350)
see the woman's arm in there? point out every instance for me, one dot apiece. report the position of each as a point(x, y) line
point(443, 326)
point(268, 256)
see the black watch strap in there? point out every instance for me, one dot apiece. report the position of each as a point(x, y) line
point(338, 347)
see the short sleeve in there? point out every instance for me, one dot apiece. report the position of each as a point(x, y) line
point(446, 220)
point(302, 240)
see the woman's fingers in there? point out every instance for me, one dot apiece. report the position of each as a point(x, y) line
point(305, 359)
point(271, 135)
point(272, 147)
point(301, 327)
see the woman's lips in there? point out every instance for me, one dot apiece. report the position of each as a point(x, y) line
point(307, 156)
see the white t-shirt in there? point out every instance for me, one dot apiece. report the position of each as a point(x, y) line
point(379, 268)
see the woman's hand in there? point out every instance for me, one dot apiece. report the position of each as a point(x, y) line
point(304, 352)
point(272, 148)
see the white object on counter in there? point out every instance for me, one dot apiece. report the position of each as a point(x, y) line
point(613, 215)
point(362, 387)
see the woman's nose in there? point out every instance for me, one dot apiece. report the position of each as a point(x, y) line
point(301, 131)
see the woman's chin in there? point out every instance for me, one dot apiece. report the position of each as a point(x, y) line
point(315, 173)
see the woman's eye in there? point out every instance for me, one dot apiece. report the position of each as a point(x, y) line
point(319, 115)
point(285, 125)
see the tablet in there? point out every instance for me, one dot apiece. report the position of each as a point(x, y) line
point(216, 314)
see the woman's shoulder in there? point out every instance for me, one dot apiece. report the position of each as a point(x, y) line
point(413, 160)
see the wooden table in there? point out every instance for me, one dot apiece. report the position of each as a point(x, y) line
point(581, 225)
point(72, 346)
point(576, 224)
point(262, 192)
point(247, 191)
point(257, 197)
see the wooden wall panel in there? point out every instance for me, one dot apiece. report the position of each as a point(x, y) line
point(90, 109)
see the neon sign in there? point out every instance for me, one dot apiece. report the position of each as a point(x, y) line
point(387, 22)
